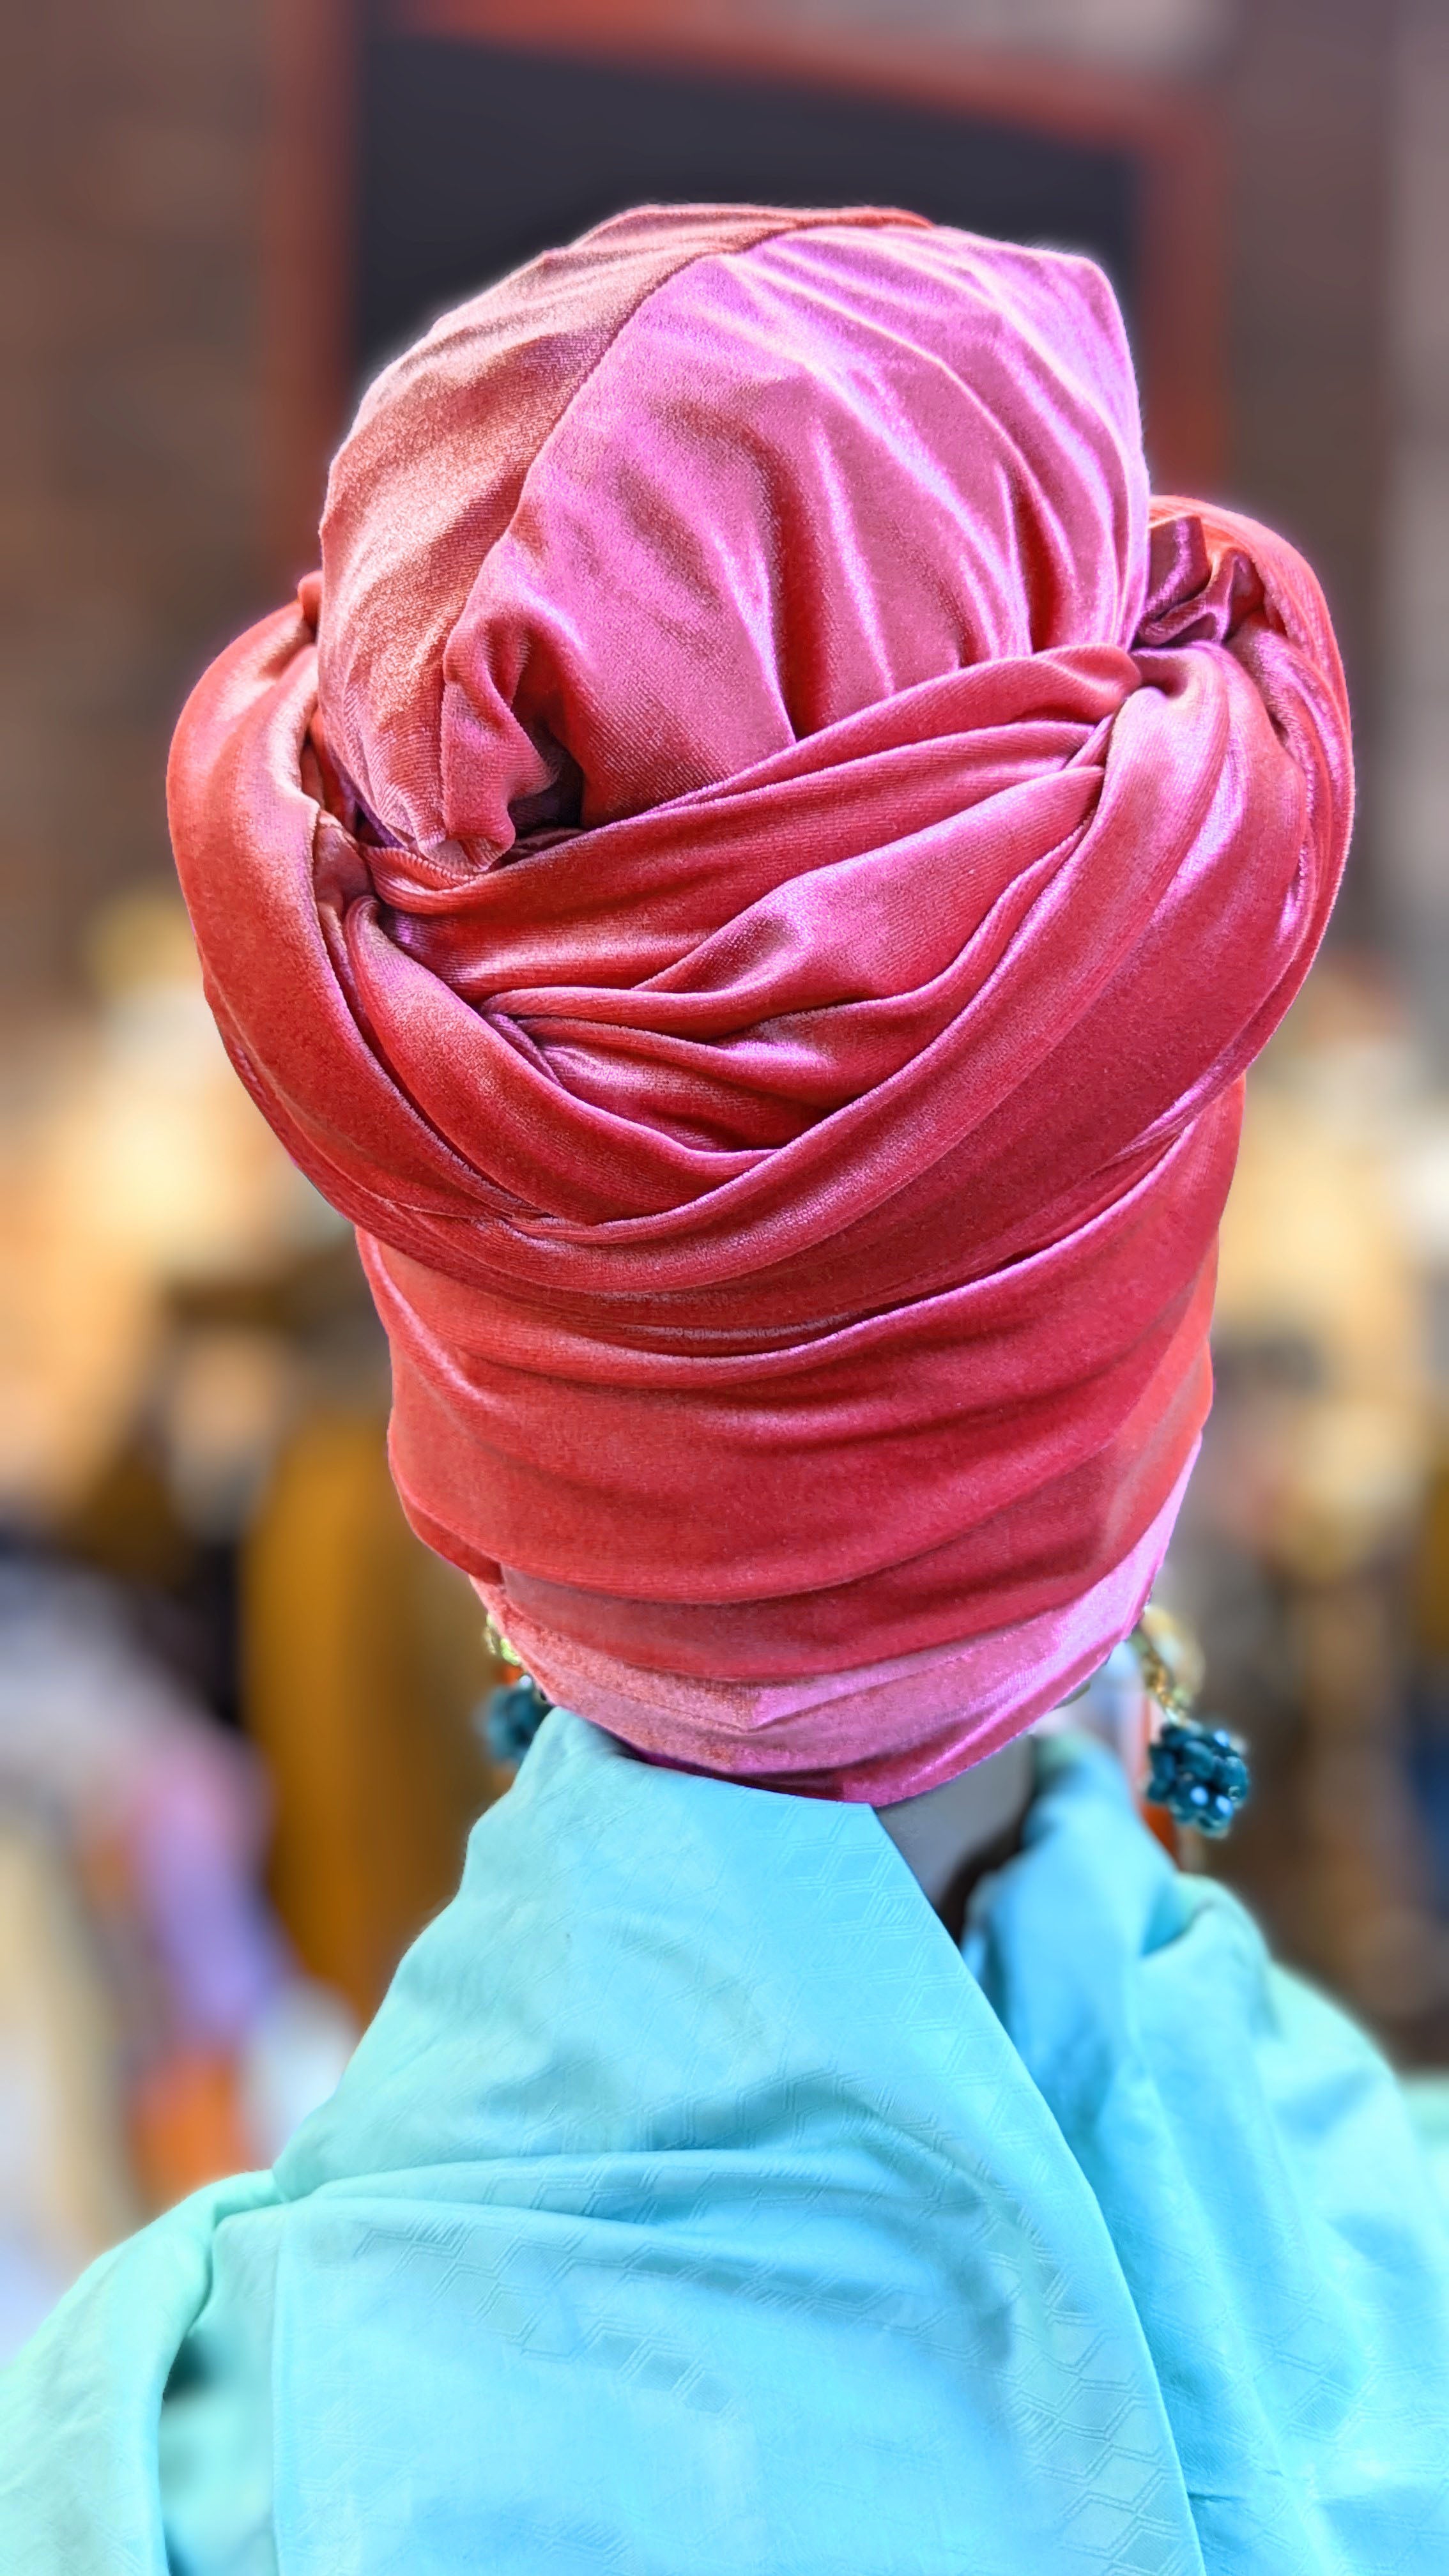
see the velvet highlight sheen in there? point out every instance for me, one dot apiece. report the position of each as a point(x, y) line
point(753, 877)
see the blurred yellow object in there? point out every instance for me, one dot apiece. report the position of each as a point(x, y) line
point(131, 1163)
point(1313, 1245)
point(227, 1394)
point(1318, 1263)
point(1318, 1469)
point(365, 1659)
point(1430, 1573)
point(66, 2189)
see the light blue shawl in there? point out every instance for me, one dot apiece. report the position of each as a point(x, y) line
point(693, 2207)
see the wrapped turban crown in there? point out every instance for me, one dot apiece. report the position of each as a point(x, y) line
point(753, 878)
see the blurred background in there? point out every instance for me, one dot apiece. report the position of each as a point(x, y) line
point(239, 1740)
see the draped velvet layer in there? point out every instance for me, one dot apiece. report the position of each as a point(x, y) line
point(753, 878)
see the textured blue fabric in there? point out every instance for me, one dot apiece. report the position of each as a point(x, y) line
point(694, 2207)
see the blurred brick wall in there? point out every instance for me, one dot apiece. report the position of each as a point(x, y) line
point(130, 183)
point(1414, 801)
point(132, 431)
point(1308, 106)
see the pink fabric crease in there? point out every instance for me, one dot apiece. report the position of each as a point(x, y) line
point(937, 1711)
point(754, 876)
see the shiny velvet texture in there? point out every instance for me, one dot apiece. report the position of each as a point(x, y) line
point(753, 878)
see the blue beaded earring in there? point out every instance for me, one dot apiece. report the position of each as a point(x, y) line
point(510, 1716)
point(1198, 1771)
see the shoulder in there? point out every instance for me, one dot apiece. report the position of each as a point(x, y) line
point(80, 2406)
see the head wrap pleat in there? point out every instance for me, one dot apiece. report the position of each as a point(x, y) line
point(753, 878)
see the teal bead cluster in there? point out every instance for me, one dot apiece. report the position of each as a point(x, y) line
point(512, 1716)
point(1198, 1774)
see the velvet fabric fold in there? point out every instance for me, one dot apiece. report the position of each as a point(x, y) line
point(753, 877)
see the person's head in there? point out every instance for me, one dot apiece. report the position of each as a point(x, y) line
point(753, 876)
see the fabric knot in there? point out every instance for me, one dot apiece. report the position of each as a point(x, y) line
point(1192, 596)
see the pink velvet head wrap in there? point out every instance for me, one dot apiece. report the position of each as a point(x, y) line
point(757, 901)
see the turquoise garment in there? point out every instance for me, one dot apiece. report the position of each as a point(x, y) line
point(693, 2207)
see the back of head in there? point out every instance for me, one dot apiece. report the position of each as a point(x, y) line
point(666, 504)
point(753, 878)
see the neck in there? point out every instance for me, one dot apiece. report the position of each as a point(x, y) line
point(949, 1836)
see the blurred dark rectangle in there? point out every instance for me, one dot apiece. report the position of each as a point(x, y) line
point(477, 156)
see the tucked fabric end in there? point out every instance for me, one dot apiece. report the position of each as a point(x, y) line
point(881, 1732)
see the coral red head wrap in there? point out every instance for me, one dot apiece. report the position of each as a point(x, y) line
point(753, 878)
